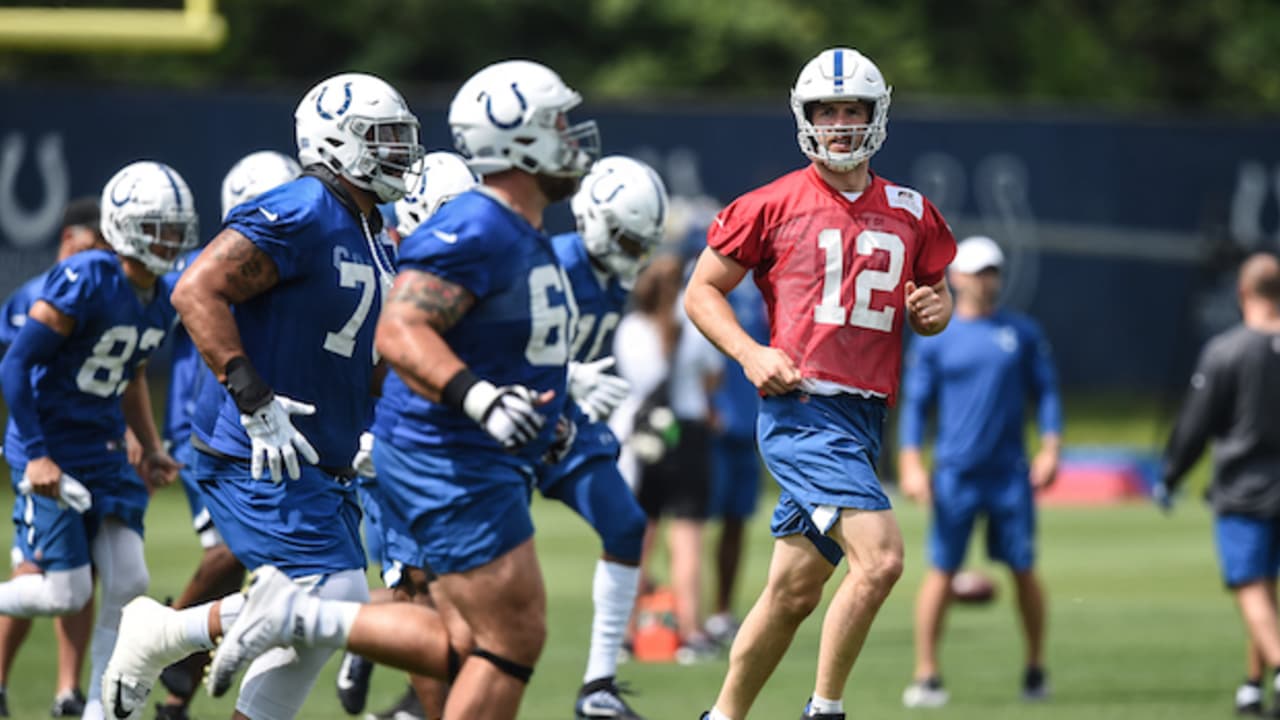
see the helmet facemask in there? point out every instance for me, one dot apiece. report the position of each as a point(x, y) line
point(390, 149)
point(156, 240)
point(867, 138)
point(840, 75)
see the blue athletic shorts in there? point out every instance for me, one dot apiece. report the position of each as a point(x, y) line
point(185, 454)
point(308, 526)
point(735, 477)
point(462, 510)
point(55, 538)
point(1248, 548)
point(1004, 499)
point(597, 492)
point(822, 451)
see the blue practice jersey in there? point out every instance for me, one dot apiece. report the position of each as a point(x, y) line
point(187, 372)
point(78, 393)
point(311, 336)
point(13, 314)
point(517, 332)
point(600, 307)
point(736, 400)
point(980, 373)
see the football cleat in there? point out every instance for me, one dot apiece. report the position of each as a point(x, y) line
point(926, 693)
point(1249, 699)
point(808, 714)
point(150, 638)
point(602, 698)
point(1035, 685)
point(263, 623)
point(68, 704)
point(353, 682)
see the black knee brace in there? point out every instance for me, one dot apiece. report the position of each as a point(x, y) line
point(510, 667)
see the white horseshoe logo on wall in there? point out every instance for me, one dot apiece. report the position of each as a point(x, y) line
point(26, 228)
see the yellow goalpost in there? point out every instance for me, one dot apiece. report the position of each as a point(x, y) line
point(197, 27)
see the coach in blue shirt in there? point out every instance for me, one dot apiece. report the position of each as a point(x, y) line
point(980, 374)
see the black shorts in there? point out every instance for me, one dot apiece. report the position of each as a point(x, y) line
point(679, 485)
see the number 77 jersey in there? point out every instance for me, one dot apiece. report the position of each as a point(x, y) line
point(832, 270)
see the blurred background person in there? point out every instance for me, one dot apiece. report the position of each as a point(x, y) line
point(1232, 401)
point(981, 375)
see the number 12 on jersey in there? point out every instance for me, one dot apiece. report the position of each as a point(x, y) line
point(830, 310)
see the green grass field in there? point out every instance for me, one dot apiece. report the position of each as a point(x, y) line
point(1139, 624)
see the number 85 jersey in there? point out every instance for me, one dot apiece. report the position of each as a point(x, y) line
point(832, 270)
point(78, 391)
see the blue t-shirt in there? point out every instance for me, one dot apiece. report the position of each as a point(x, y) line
point(736, 400)
point(517, 332)
point(980, 373)
point(600, 307)
point(311, 335)
point(13, 314)
point(187, 372)
point(78, 392)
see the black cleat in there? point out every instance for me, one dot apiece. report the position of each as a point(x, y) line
point(602, 698)
point(183, 677)
point(171, 712)
point(1249, 699)
point(69, 705)
point(353, 682)
point(407, 708)
point(1035, 685)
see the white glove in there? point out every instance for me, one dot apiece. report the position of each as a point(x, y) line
point(274, 438)
point(508, 413)
point(70, 493)
point(362, 463)
point(598, 393)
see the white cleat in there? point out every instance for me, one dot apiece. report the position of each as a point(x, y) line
point(263, 623)
point(150, 639)
point(927, 693)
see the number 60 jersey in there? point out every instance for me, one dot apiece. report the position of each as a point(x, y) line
point(832, 270)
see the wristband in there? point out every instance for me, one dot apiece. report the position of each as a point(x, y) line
point(455, 391)
point(249, 391)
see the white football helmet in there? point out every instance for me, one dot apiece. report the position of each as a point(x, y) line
point(513, 114)
point(361, 128)
point(148, 214)
point(255, 174)
point(621, 209)
point(432, 181)
point(834, 75)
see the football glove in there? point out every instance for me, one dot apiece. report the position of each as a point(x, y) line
point(508, 413)
point(71, 494)
point(274, 440)
point(566, 433)
point(362, 463)
point(597, 392)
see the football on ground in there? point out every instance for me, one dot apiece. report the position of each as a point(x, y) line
point(972, 586)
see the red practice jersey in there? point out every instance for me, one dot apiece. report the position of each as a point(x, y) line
point(832, 270)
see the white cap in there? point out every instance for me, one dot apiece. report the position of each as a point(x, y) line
point(977, 253)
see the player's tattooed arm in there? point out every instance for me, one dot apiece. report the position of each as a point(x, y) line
point(230, 270)
point(422, 307)
point(440, 302)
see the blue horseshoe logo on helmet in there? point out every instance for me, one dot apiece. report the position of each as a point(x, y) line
point(121, 202)
point(488, 109)
point(595, 186)
point(346, 102)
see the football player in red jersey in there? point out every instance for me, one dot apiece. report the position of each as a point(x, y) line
point(843, 257)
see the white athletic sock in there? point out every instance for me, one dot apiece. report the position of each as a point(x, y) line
point(229, 609)
point(324, 623)
point(715, 714)
point(819, 704)
point(614, 593)
point(194, 624)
